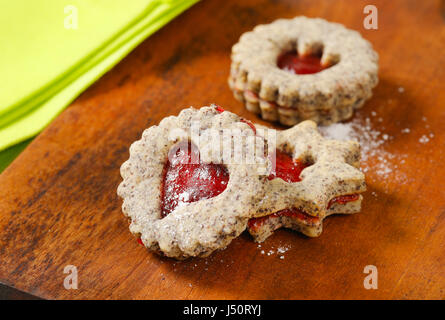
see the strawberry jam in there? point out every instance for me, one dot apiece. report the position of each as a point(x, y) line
point(250, 124)
point(219, 109)
point(343, 199)
point(187, 181)
point(289, 170)
point(291, 61)
point(286, 168)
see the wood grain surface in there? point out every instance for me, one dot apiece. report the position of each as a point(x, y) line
point(59, 206)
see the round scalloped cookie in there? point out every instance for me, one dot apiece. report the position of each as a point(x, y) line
point(197, 228)
point(348, 62)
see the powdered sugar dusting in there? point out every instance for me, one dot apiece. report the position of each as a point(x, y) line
point(338, 131)
point(372, 141)
point(376, 159)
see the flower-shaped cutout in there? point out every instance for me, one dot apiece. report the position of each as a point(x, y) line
point(303, 69)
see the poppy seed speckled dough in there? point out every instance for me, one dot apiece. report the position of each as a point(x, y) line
point(328, 96)
point(201, 227)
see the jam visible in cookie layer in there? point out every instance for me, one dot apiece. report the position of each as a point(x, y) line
point(294, 63)
point(256, 223)
point(343, 199)
point(187, 181)
point(289, 170)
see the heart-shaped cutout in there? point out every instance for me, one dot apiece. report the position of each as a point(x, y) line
point(187, 180)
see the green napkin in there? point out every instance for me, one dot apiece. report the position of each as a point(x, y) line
point(48, 65)
point(8, 155)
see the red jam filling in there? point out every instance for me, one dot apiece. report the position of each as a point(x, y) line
point(343, 199)
point(186, 182)
point(300, 64)
point(250, 124)
point(289, 170)
point(219, 109)
point(286, 168)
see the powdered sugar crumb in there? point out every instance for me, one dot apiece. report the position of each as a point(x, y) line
point(279, 251)
point(282, 249)
point(424, 139)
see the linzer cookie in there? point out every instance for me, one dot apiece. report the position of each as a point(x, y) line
point(303, 69)
point(196, 181)
point(180, 199)
point(313, 177)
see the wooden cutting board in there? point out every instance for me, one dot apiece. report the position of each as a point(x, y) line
point(59, 205)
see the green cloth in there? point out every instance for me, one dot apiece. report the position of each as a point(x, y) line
point(45, 66)
point(8, 155)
